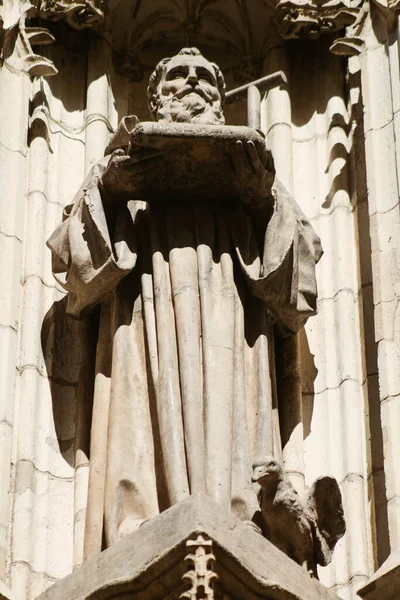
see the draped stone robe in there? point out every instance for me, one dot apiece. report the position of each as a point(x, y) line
point(183, 392)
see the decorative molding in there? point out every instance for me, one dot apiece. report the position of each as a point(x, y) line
point(201, 576)
point(35, 64)
point(295, 19)
point(79, 15)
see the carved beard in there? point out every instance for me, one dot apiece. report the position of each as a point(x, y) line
point(190, 108)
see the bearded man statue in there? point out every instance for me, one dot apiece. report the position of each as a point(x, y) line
point(187, 293)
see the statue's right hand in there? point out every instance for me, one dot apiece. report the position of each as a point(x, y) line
point(124, 176)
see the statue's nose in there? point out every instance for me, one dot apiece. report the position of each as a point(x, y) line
point(192, 78)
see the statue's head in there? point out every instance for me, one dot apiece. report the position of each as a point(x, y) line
point(187, 88)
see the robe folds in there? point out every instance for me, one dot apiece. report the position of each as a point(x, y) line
point(183, 376)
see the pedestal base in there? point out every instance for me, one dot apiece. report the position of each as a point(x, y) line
point(193, 550)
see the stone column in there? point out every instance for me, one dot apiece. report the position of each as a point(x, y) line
point(331, 348)
point(15, 87)
point(381, 99)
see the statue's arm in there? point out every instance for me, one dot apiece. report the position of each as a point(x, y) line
point(283, 274)
point(86, 258)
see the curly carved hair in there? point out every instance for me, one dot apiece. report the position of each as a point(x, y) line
point(155, 77)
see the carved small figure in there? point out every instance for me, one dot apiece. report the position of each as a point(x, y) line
point(306, 530)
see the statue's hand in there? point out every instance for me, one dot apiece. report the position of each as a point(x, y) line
point(255, 174)
point(124, 176)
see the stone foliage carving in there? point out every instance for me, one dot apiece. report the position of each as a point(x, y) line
point(307, 531)
point(188, 286)
point(306, 20)
point(79, 15)
point(200, 576)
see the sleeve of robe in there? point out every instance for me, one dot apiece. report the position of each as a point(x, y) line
point(283, 277)
point(85, 261)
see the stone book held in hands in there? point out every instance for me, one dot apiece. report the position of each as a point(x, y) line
point(194, 159)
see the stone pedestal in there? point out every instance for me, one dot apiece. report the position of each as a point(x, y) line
point(193, 550)
point(385, 583)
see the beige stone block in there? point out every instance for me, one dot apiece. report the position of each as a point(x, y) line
point(27, 584)
point(376, 86)
point(381, 169)
point(10, 247)
point(66, 165)
point(385, 313)
point(8, 362)
point(389, 368)
point(38, 299)
point(390, 414)
point(385, 255)
point(12, 192)
point(334, 339)
point(394, 523)
point(14, 104)
point(336, 443)
point(43, 521)
point(337, 269)
point(46, 424)
point(306, 176)
point(43, 218)
point(5, 480)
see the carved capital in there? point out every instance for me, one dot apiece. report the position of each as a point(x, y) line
point(296, 19)
point(78, 14)
point(18, 42)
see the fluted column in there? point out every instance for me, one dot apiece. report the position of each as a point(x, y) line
point(48, 357)
point(14, 101)
point(381, 99)
point(331, 348)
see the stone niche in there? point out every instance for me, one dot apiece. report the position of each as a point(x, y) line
point(194, 550)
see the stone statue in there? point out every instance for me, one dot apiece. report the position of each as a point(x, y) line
point(306, 530)
point(187, 293)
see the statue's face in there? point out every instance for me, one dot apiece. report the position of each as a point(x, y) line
point(188, 92)
point(185, 75)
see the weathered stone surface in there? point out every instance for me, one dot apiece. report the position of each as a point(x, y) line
point(183, 287)
point(385, 583)
point(315, 524)
point(149, 564)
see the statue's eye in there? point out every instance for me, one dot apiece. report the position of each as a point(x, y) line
point(205, 76)
point(177, 74)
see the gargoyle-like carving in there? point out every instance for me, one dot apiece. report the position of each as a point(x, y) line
point(306, 530)
point(201, 576)
point(309, 21)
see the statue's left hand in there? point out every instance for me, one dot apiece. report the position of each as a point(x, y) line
point(255, 174)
